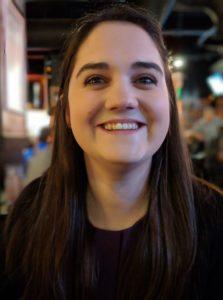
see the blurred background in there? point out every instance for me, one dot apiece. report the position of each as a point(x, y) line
point(32, 35)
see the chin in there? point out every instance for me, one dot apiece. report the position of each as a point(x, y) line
point(125, 158)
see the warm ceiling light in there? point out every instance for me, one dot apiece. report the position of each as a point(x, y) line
point(178, 62)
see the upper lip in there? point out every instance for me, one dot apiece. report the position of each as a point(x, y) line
point(122, 121)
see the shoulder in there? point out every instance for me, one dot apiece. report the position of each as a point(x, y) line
point(209, 203)
point(14, 226)
point(31, 187)
point(30, 191)
point(209, 259)
point(206, 192)
point(21, 206)
point(26, 206)
point(209, 214)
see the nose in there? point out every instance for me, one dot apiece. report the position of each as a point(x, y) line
point(120, 96)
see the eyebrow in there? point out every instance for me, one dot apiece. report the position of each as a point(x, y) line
point(134, 66)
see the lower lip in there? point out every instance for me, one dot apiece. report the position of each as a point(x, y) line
point(121, 132)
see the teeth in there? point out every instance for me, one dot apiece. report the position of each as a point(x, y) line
point(121, 126)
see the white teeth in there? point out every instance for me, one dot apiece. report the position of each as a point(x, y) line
point(121, 126)
point(108, 126)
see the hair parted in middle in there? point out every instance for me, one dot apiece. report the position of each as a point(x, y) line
point(162, 259)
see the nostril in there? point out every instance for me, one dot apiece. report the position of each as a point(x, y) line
point(121, 103)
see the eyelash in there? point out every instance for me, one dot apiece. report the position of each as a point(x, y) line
point(152, 79)
point(88, 81)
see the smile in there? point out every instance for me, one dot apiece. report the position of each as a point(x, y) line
point(121, 126)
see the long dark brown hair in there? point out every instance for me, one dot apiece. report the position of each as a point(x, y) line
point(48, 226)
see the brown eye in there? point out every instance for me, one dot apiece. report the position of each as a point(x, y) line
point(95, 80)
point(146, 80)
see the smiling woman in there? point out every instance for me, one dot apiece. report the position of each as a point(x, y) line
point(118, 214)
point(124, 87)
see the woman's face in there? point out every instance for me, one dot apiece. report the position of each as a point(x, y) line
point(118, 98)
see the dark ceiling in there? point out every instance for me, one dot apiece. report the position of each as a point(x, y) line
point(190, 26)
point(193, 28)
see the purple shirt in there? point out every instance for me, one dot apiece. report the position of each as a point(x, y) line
point(110, 248)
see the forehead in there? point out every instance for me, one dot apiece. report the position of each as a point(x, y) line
point(118, 42)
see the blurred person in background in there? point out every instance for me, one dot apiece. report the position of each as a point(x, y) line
point(214, 163)
point(118, 214)
point(206, 129)
point(27, 153)
point(201, 137)
point(12, 187)
point(40, 159)
point(2, 186)
point(219, 106)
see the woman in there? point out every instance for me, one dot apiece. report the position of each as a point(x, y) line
point(117, 215)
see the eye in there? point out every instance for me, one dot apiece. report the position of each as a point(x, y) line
point(146, 80)
point(94, 80)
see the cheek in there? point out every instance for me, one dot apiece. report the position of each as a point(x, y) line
point(159, 107)
point(163, 112)
point(163, 105)
point(84, 109)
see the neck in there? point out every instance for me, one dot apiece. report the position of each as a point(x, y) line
point(118, 198)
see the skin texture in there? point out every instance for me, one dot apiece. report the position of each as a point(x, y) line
point(116, 160)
